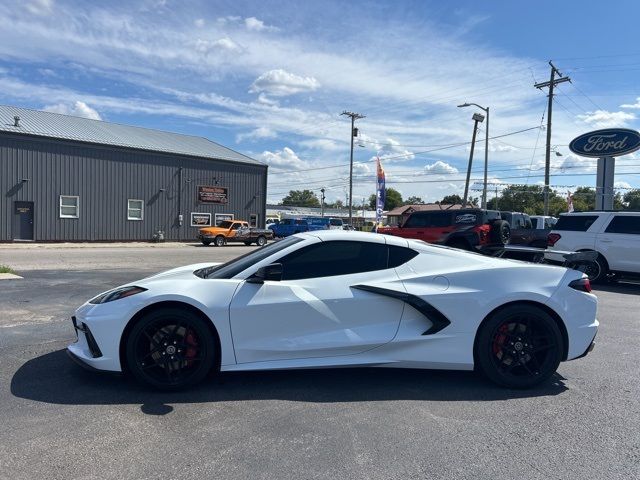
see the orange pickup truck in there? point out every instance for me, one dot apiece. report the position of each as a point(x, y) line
point(234, 231)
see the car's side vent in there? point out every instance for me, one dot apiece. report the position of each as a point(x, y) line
point(435, 316)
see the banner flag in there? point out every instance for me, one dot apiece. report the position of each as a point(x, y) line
point(569, 202)
point(380, 191)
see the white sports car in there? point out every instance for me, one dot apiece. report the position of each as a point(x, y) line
point(336, 299)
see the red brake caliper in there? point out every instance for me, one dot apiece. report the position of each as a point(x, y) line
point(499, 340)
point(192, 347)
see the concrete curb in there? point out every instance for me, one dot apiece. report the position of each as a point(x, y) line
point(9, 276)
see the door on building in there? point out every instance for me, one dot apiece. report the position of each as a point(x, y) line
point(23, 221)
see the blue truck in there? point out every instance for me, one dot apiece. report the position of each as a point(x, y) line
point(291, 226)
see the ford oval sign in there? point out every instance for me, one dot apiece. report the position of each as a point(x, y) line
point(610, 142)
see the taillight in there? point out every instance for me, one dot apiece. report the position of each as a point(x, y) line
point(552, 238)
point(583, 284)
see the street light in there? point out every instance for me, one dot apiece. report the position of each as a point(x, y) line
point(486, 151)
point(476, 119)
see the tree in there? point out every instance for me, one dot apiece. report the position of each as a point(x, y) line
point(584, 199)
point(632, 199)
point(301, 198)
point(337, 204)
point(414, 201)
point(451, 199)
point(392, 200)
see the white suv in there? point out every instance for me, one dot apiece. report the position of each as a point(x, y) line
point(614, 235)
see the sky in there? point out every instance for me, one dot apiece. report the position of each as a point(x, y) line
point(270, 78)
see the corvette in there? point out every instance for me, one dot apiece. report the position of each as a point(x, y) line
point(336, 299)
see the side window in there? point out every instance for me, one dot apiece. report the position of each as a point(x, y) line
point(527, 222)
point(575, 223)
point(327, 259)
point(400, 255)
point(629, 224)
point(417, 220)
point(440, 219)
point(236, 226)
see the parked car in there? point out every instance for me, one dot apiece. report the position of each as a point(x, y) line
point(523, 232)
point(542, 222)
point(467, 229)
point(335, 224)
point(615, 236)
point(234, 231)
point(337, 299)
point(291, 226)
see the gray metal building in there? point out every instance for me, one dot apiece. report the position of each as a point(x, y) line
point(65, 178)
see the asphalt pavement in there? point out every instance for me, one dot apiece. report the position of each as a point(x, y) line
point(59, 421)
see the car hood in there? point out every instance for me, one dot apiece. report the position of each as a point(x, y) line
point(178, 273)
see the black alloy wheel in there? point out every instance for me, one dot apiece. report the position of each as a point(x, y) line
point(519, 347)
point(219, 241)
point(597, 270)
point(170, 349)
point(261, 241)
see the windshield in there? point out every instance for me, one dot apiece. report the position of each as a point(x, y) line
point(241, 263)
point(225, 224)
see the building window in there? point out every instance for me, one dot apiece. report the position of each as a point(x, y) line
point(253, 220)
point(135, 209)
point(69, 206)
point(223, 217)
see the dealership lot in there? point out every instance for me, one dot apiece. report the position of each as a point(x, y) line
point(62, 422)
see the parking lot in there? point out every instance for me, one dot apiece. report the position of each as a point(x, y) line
point(62, 422)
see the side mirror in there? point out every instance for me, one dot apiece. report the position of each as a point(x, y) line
point(270, 272)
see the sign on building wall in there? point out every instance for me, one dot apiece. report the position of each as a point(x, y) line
point(200, 219)
point(218, 195)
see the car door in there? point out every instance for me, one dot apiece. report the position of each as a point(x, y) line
point(620, 243)
point(313, 311)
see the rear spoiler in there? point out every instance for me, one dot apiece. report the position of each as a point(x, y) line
point(571, 259)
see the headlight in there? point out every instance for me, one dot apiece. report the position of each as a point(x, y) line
point(116, 294)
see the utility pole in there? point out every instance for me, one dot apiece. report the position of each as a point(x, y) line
point(553, 81)
point(476, 119)
point(483, 203)
point(322, 203)
point(354, 133)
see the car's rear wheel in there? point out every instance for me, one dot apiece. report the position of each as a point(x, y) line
point(597, 270)
point(500, 232)
point(170, 349)
point(261, 241)
point(219, 241)
point(519, 347)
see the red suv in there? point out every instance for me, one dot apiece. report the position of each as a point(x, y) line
point(467, 228)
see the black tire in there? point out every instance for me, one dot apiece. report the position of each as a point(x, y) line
point(206, 243)
point(261, 241)
point(165, 335)
point(247, 243)
point(520, 346)
point(460, 244)
point(500, 232)
point(219, 241)
point(598, 270)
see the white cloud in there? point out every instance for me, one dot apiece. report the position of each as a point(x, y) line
point(322, 144)
point(361, 169)
point(575, 164)
point(622, 184)
point(78, 109)
point(285, 159)
point(39, 7)
point(605, 119)
point(257, 134)
point(252, 23)
point(440, 168)
point(632, 105)
point(223, 44)
point(280, 83)
point(391, 148)
point(199, 22)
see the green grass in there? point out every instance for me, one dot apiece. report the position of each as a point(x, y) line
point(5, 269)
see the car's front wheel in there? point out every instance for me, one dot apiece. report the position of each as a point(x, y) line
point(219, 241)
point(261, 241)
point(519, 347)
point(170, 349)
